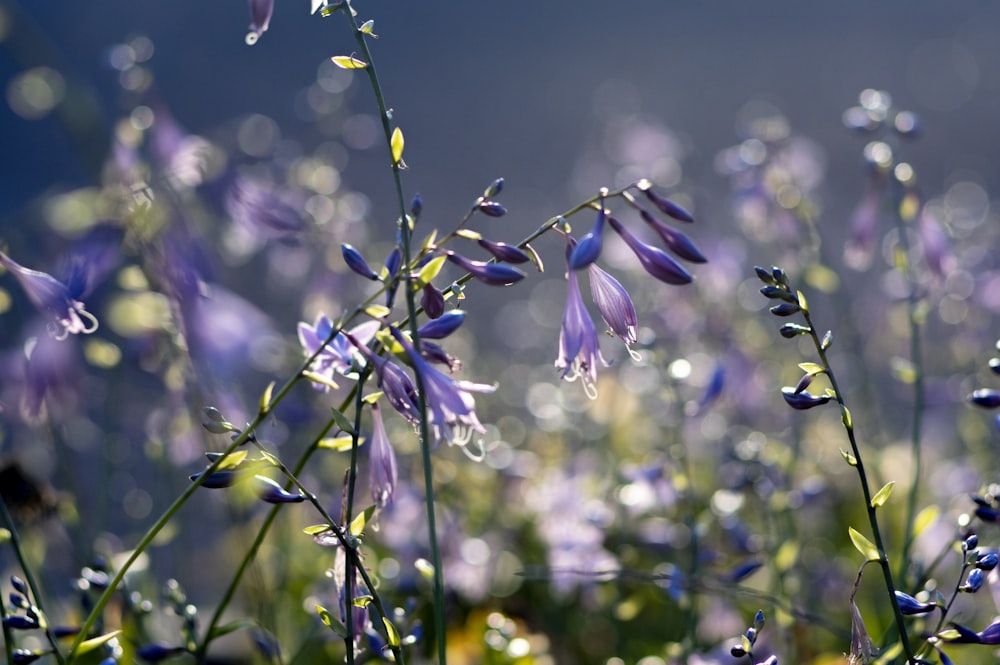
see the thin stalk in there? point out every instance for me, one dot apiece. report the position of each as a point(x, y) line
point(15, 542)
point(859, 466)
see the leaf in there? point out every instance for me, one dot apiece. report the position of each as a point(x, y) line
point(94, 642)
point(316, 529)
point(845, 415)
point(265, 399)
point(359, 522)
point(468, 234)
point(390, 633)
point(883, 494)
point(348, 62)
point(803, 305)
point(372, 398)
point(863, 545)
point(339, 444)
point(321, 379)
point(396, 142)
point(232, 460)
point(848, 457)
point(377, 311)
point(811, 368)
point(331, 621)
point(429, 241)
point(786, 556)
point(342, 421)
point(924, 519)
point(431, 270)
point(362, 601)
point(535, 258)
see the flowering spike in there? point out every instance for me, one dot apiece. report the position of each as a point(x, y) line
point(579, 350)
point(67, 316)
point(442, 326)
point(654, 260)
point(356, 262)
point(382, 462)
point(589, 247)
point(495, 274)
point(504, 252)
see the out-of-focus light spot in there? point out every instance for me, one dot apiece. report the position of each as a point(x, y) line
point(131, 278)
point(321, 208)
point(966, 205)
point(257, 135)
point(519, 648)
point(136, 79)
point(142, 118)
point(859, 118)
point(680, 369)
point(360, 131)
point(388, 568)
point(788, 197)
point(5, 300)
point(635, 495)
point(960, 284)
point(332, 78)
point(905, 122)
point(121, 57)
point(904, 173)
point(137, 503)
point(879, 153)
point(753, 152)
point(651, 660)
point(72, 212)
point(726, 502)
point(475, 551)
point(353, 207)
point(499, 455)
point(133, 315)
point(953, 310)
point(324, 180)
point(142, 47)
point(101, 353)
point(875, 101)
point(34, 93)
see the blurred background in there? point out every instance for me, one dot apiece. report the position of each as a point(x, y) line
point(741, 113)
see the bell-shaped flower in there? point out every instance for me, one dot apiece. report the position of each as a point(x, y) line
point(614, 304)
point(394, 382)
point(66, 315)
point(262, 211)
point(381, 462)
point(579, 350)
point(588, 248)
point(335, 356)
point(654, 260)
point(260, 18)
point(451, 409)
point(494, 274)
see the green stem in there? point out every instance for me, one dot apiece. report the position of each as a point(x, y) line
point(859, 466)
point(15, 542)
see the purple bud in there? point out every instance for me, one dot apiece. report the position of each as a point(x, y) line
point(393, 262)
point(18, 622)
point(970, 543)
point(442, 326)
point(995, 365)
point(785, 309)
point(989, 399)
point(504, 252)
point(974, 581)
point(778, 293)
point(494, 274)
point(217, 480)
point(987, 560)
point(790, 330)
point(803, 400)
point(676, 242)
point(154, 653)
point(432, 301)
point(589, 247)
point(614, 304)
point(416, 206)
point(910, 606)
point(654, 260)
point(19, 584)
point(356, 262)
point(668, 207)
point(25, 656)
point(803, 383)
point(492, 209)
point(435, 353)
point(495, 188)
point(271, 492)
point(737, 651)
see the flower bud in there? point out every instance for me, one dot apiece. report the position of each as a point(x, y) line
point(442, 326)
point(504, 252)
point(356, 262)
point(432, 301)
point(492, 209)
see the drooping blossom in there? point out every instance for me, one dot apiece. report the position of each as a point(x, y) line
point(65, 313)
point(614, 304)
point(260, 18)
point(336, 356)
point(382, 472)
point(451, 409)
point(579, 350)
point(393, 380)
point(262, 211)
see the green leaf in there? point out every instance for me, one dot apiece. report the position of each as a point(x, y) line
point(331, 621)
point(428, 243)
point(232, 460)
point(359, 522)
point(265, 399)
point(320, 378)
point(348, 62)
point(848, 457)
point(339, 443)
point(863, 545)
point(390, 633)
point(883, 494)
point(342, 421)
point(803, 305)
point(924, 519)
point(377, 311)
point(94, 642)
point(396, 142)
point(362, 601)
point(535, 258)
point(431, 270)
point(316, 529)
point(811, 368)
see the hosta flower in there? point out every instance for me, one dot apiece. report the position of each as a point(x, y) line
point(260, 17)
point(803, 400)
point(504, 252)
point(588, 248)
point(394, 382)
point(442, 326)
point(451, 409)
point(66, 315)
point(382, 462)
point(494, 274)
point(653, 259)
point(579, 350)
point(614, 304)
point(335, 357)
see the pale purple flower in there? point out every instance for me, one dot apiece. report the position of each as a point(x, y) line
point(66, 315)
point(382, 462)
point(615, 305)
point(263, 211)
point(260, 18)
point(861, 242)
point(394, 382)
point(451, 409)
point(579, 350)
point(335, 357)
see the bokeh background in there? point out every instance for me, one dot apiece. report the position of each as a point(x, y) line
point(736, 110)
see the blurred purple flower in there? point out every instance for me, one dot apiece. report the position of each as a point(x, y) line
point(451, 409)
point(335, 357)
point(861, 242)
point(260, 18)
point(579, 350)
point(66, 315)
point(262, 211)
point(382, 462)
point(614, 304)
point(653, 259)
point(935, 244)
point(51, 370)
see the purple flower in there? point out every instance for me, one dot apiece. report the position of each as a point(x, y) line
point(666, 206)
point(66, 315)
point(614, 303)
point(432, 301)
point(492, 209)
point(382, 462)
point(986, 398)
point(803, 400)
point(579, 350)
point(270, 491)
point(336, 357)
point(861, 242)
point(442, 326)
point(451, 409)
point(588, 248)
point(504, 252)
point(260, 17)
point(494, 274)
point(653, 259)
point(262, 211)
point(394, 382)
